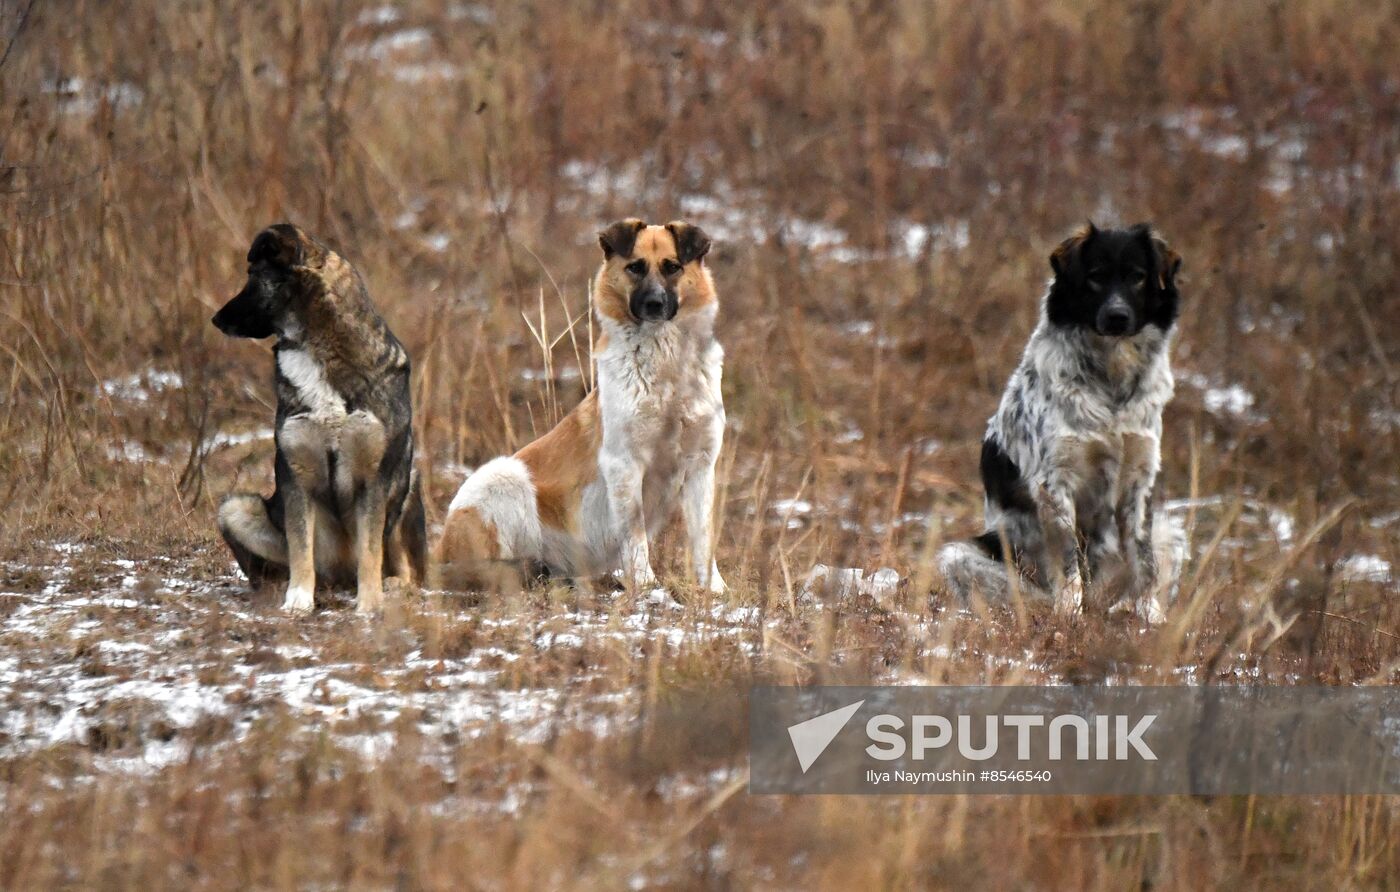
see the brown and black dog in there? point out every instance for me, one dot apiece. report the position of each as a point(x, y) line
point(347, 505)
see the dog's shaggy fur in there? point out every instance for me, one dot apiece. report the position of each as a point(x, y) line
point(1071, 456)
point(347, 506)
point(586, 497)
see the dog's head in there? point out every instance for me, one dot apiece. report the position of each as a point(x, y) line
point(276, 257)
point(652, 273)
point(1115, 282)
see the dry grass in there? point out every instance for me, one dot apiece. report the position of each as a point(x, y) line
point(884, 182)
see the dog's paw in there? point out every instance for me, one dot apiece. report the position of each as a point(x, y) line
point(1070, 599)
point(1150, 609)
point(370, 601)
point(399, 587)
point(299, 601)
point(639, 580)
point(710, 579)
point(660, 597)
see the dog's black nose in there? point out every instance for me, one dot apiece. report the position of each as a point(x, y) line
point(650, 306)
point(1115, 320)
point(653, 305)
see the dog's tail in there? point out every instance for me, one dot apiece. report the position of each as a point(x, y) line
point(980, 565)
point(408, 540)
point(976, 564)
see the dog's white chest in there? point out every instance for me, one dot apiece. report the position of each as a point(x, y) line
point(308, 377)
point(661, 390)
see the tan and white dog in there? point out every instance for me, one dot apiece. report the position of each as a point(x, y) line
point(586, 497)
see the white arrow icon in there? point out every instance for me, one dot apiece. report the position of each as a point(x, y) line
point(811, 738)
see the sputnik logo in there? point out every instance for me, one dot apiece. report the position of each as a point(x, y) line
point(811, 738)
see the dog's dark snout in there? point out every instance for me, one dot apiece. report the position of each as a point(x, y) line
point(222, 322)
point(1116, 322)
point(1115, 318)
point(653, 305)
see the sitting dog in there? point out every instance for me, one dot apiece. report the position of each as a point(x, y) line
point(1071, 455)
point(347, 504)
point(585, 498)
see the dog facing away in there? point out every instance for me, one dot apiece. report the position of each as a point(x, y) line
point(587, 497)
point(347, 506)
point(1071, 456)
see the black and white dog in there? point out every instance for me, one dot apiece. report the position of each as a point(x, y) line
point(1071, 455)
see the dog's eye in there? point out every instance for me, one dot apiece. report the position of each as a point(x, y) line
point(670, 267)
point(637, 267)
point(1139, 279)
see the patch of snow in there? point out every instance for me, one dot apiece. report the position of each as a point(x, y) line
point(78, 96)
point(852, 434)
point(930, 159)
point(127, 451)
point(1364, 568)
point(1385, 420)
point(1280, 522)
point(379, 15)
point(140, 387)
point(561, 373)
point(386, 45)
point(1228, 146)
point(1231, 400)
point(915, 236)
point(225, 439)
point(791, 511)
point(842, 583)
point(423, 72)
point(471, 12)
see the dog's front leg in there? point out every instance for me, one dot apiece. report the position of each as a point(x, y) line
point(1055, 508)
point(1135, 529)
point(363, 443)
point(369, 549)
point(301, 470)
point(622, 475)
point(1134, 520)
point(300, 519)
point(697, 503)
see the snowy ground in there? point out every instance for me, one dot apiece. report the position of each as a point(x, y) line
point(135, 663)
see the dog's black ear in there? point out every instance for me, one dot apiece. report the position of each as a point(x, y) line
point(619, 238)
point(691, 241)
point(1167, 262)
point(1066, 255)
point(1165, 302)
point(281, 244)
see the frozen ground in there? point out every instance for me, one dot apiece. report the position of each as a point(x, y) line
point(136, 663)
point(136, 666)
